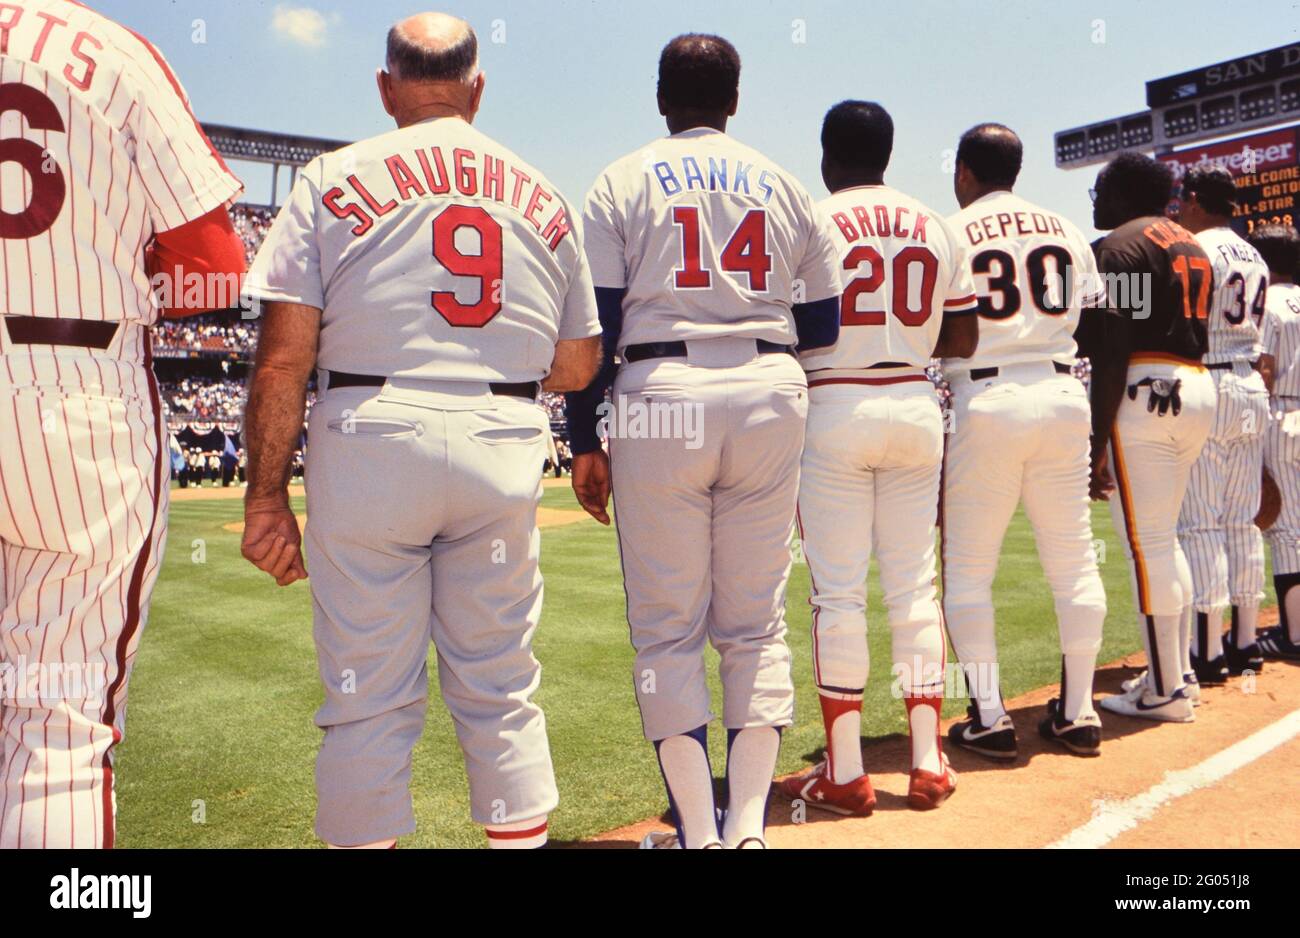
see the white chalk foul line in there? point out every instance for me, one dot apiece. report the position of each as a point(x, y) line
point(1113, 818)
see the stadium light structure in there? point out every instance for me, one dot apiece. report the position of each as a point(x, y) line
point(1213, 101)
point(261, 146)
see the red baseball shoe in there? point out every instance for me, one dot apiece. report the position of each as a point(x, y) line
point(856, 798)
point(927, 790)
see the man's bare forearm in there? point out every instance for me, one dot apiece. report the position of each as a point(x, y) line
point(277, 399)
point(277, 402)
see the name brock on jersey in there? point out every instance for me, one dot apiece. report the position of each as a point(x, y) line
point(465, 176)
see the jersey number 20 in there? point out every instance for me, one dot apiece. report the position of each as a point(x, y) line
point(905, 262)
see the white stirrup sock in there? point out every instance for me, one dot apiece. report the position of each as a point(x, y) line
point(685, 764)
point(751, 760)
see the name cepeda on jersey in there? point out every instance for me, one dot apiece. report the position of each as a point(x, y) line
point(469, 179)
point(720, 177)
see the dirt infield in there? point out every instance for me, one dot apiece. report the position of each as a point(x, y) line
point(1152, 786)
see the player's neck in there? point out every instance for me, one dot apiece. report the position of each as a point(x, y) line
point(682, 121)
point(858, 181)
point(419, 115)
point(979, 192)
point(1205, 223)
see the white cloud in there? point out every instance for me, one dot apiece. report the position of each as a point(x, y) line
point(301, 25)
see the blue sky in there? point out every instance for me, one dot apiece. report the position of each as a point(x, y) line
point(571, 82)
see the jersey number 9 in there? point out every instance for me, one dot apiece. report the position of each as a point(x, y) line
point(485, 266)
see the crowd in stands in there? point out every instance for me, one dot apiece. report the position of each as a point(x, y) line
point(203, 399)
point(251, 224)
point(222, 334)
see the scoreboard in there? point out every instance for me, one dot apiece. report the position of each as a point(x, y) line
point(1265, 167)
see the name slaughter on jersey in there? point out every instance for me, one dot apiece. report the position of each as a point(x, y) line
point(490, 183)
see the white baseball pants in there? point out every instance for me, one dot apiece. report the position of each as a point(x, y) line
point(704, 524)
point(1021, 436)
point(1151, 458)
point(83, 518)
point(422, 526)
point(1216, 525)
point(1282, 457)
point(870, 482)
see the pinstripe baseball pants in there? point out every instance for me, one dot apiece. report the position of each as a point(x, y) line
point(1216, 526)
point(83, 515)
point(1282, 457)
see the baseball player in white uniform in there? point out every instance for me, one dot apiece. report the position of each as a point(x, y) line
point(1217, 524)
point(707, 259)
point(434, 278)
point(1280, 247)
point(1021, 433)
point(869, 478)
point(106, 183)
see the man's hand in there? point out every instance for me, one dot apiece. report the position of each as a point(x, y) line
point(1100, 484)
point(272, 543)
point(591, 483)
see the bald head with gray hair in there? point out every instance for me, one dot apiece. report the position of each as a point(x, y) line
point(431, 69)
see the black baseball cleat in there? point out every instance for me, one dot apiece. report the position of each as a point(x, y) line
point(1210, 673)
point(1082, 737)
point(1241, 660)
point(1275, 643)
point(993, 742)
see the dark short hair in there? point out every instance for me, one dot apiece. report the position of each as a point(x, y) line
point(411, 61)
point(992, 152)
point(1139, 182)
point(699, 72)
point(1279, 245)
point(1213, 188)
point(859, 135)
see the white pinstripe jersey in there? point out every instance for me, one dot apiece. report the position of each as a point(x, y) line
point(101, 152)
point(1281, 337)
point(1024, 259)
point(710, 238)
point(1237, 310)
point(903, 271)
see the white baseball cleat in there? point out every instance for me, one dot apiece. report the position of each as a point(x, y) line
point(1140, 702)
point(1192, 688)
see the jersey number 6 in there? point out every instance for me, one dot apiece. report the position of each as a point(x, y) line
point(48, 186)
point(485, 266)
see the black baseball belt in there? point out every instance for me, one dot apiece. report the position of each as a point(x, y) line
point(979, 374)
point(41, 330)
point(345, 379)
point(644, 350)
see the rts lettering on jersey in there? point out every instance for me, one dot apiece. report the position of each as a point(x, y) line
point(75, 50)
point(719, 177)
point(469, 173)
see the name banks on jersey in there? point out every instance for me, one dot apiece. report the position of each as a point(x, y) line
point(903, 271)
point(708, 238)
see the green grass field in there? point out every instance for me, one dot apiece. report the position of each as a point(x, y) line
point(220, 740)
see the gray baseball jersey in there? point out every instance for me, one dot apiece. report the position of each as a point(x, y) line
point(1240, 284)
point(434, 252)
point(713, 243)
point(709, 238)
